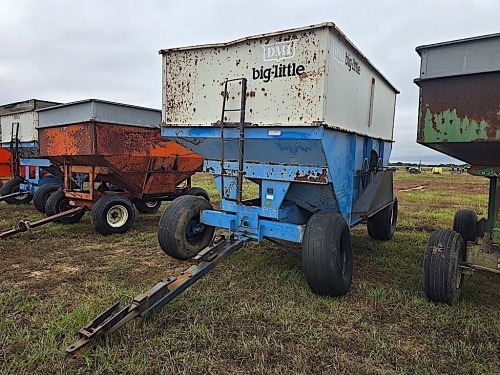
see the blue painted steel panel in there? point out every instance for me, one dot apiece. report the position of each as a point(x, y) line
point(288, 211)
point(299, 170)
point(296, 146)
point(32, 144)
point(50, 180)
point(265, 228)
point(35, 162)
point(274, 171)
point(32, 184)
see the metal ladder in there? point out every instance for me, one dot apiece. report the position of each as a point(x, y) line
point(14, 149)
point(241, 139)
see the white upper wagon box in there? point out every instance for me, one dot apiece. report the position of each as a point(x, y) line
point(337, 86)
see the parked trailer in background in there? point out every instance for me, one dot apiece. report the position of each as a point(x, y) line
point(302, 113)
point(28, 171)
point(118, 150)
point(459, 115)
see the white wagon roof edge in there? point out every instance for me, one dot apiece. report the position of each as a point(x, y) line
point(287, 31)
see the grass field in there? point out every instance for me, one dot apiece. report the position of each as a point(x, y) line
point(254, 314)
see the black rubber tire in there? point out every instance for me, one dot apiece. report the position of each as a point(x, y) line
point(443, 257)
point(180, 217)
point(148, 206)
point(57, 203)
point(464, 222)
point(198, 192)
point(42, 194)
point(327, 254)
point(12, 186)
point(382, 225)
point(112, 214)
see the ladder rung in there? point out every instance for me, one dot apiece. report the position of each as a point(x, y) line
point(233, 79)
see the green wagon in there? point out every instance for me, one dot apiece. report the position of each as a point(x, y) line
point(459, 115)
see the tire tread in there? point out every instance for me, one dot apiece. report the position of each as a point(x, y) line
point(320, 254)
point(52, 208)
point(380, 226)
point(443, 247)
point(42, 194)
point(464, 223)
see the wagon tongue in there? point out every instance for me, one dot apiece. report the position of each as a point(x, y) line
point(158, 296)
point(4, 197)
point(26, 226)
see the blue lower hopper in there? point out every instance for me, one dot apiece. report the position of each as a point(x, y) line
point(300, 170)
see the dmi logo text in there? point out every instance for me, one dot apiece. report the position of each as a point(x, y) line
point(339, 52)
point(279, 51)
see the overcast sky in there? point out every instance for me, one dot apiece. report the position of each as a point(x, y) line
point(72, 50)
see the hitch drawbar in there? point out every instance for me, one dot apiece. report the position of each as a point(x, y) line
point(24, 225)
point(158, 296)
point(16, 194)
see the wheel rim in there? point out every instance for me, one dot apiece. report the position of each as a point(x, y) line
point(194, 230)
point(22, 196)
point(117, 216)
point(151, 204)
point(65, 206)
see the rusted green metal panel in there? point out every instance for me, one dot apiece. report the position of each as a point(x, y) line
point(447, 126)
point(459, 116)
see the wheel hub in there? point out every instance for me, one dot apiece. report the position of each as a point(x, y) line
point(194, 228)
point(117, 216)
point(151, 204)
point(23, 194)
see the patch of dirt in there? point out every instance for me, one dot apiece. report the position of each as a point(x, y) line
point(54, 256)
point(38, 274)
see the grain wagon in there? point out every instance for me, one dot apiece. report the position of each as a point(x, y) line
point(308, 118)
point(459, 115)
point(21, 168)
point(117, 150)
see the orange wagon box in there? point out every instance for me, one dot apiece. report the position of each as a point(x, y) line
point(113, 158)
